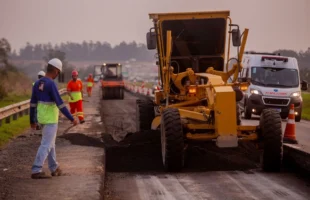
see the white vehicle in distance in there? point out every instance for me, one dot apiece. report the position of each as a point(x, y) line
point(274, 83)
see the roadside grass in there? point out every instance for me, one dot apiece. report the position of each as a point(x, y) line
point(9, 131)
point(16, 127)
point(306, 106)
point(12, 99)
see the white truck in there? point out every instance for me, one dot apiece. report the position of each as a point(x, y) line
point(274, 83)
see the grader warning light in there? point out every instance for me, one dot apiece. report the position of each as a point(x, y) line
point(192, 51)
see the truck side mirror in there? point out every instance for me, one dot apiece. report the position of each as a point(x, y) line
point(304, 85)
point(151, 40)
point(236, 37)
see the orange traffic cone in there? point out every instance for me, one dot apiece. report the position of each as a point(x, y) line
point(289, 133)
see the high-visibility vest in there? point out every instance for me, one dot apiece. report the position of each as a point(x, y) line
point(76, 92)
point(47, 113)
point(90, 82)
point(76, 96)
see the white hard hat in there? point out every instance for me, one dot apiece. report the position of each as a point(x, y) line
point(56, 63)
point(41, 73)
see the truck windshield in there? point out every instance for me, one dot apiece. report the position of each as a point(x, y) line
point(274, 77)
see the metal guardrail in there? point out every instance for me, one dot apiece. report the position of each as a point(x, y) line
point(18, 109)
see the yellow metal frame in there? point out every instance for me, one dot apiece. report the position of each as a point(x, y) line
point(219, 93)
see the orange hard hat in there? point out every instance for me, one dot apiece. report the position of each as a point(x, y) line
point(75, 73)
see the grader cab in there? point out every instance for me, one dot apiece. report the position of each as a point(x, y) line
point(196, 101)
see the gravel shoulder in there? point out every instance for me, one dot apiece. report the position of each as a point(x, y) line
point(80, 153)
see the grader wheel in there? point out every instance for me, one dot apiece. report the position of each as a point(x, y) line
point(144, 114)
point(172, 140)
point(271, 133)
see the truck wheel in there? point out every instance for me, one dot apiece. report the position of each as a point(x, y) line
point(283, 116)
point(121, 93)
point(103, 93)
point(298, 117)
point(271, 135)
point(172, 141)
point(144, 114)
point(247, 112)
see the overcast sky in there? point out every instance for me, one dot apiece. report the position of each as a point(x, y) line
point(273, 24)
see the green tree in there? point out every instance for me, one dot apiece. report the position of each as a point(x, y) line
point(66, 67)
point(5, 50)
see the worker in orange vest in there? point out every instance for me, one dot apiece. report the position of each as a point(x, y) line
point(75, 92)
point(90, 84)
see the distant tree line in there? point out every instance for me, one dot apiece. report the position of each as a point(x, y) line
point(96, 51)
point(303, 59)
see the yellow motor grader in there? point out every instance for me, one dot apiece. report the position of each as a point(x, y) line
point(197, 102)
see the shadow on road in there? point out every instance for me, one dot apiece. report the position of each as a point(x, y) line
point(82, 140)
point(141, 152)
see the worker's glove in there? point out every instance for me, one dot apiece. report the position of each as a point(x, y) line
point(71, 98)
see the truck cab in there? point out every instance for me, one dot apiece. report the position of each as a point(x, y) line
point(274, 83)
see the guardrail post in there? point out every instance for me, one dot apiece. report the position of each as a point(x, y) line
point(27, 111)
point(15, 116)
point(0, 122)
point(20, 113)
point(8, 120)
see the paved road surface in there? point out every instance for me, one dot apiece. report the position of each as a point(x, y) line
point(302, 129)
point(134, 170)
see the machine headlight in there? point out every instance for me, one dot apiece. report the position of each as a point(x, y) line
point(253, 91)
point(192, 90)
point(295, 94)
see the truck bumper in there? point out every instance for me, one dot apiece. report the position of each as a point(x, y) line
point(256, 103)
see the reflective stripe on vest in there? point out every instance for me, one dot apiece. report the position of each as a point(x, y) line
point(89, 84)
point(76, 96)
point(33, 83)
point(48, 113)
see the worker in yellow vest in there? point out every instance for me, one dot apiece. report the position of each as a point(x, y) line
point(46, 101)
point(75, 92)
point(40, 75)
point(90, 84)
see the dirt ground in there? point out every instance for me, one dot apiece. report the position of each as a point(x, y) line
point(80, 154)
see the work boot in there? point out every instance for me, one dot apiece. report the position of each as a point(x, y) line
point(57, 172)
point(82, 121)
point(40, 175)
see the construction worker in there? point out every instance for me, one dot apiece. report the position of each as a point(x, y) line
point(40, 75)
point(46, 100)
point(75, 92)
point(90, 84)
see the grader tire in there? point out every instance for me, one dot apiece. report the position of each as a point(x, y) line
point(172, 140)
point(103, 91)
point(238, 115)
point(271, 134)
point(144, 114)
point(121, 93)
